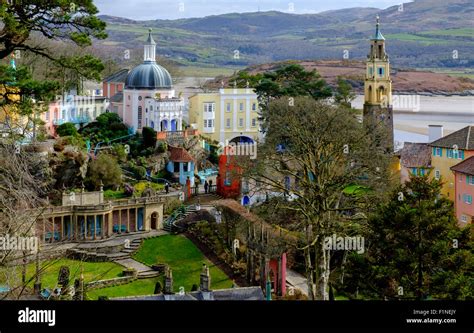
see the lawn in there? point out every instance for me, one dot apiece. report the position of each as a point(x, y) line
point(137, 287)
point(185, 260)
point(50, 270)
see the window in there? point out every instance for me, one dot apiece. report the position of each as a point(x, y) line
point(471, 180)
point(95, 111)
point(139, 98)
point(151, 107)
point(139, 117)
point(414, 171)
point(241, 122)
point(227, 179)
point(381, 71)
point(254, 122)
point(461, 154)
point(47, 115)
point(467, 198)
point(227, 123)
point(422, 172)
point(371, 71)
point(228, 107)
point(464, 218)
point(437, 151)
point(254, 107)
point(208, 123)
point(209, 107)
point(437, 174)
point(241, 107)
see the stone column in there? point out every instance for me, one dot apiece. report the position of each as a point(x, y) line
point(102, 229)
point(120, 220)
point(95, 226)
point(62, 228)
point(52, 233)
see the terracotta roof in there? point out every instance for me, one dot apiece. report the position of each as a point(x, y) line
point(466, 166)
point(415, 155)
point(179, 154)
point(464, 139)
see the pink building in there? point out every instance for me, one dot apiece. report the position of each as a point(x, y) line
point(464, 190)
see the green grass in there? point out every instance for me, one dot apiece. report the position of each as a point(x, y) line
point(460, 32)
point(50, 269)
point(185, 260)
point(137, 287)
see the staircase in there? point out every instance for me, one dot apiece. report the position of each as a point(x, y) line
point(93, 256)
point(178, 215)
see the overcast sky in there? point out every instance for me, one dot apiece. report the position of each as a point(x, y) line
point(172, 9)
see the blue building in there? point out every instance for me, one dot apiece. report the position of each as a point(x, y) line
point(181, 165)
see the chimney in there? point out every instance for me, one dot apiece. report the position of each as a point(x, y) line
point(435, 132)
point(205, 279)
point(168, 281)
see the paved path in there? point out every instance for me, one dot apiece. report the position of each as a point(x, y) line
point(297, 281)
point(131, 263)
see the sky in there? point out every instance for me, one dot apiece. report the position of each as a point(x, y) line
point(174, 9)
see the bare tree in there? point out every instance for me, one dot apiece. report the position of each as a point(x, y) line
point(312, 152)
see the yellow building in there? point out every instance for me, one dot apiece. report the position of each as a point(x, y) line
point(226, 115)
point(447, 152)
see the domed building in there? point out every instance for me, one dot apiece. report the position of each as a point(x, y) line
point(144, 96)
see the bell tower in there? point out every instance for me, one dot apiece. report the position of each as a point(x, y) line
point(378, 88)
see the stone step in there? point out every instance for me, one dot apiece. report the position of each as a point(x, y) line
point(148, 274)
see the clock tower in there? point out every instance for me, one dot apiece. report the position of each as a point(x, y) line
point(378, 90)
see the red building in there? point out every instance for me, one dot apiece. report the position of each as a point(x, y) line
point(229, 177)
point(464, 190)
point(114, 83)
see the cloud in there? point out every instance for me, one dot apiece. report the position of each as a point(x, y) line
point(170, 9)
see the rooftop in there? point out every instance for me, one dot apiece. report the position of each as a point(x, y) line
point(231, 294)
point(119, 76)
point(415, 155)
point(179, 154)
point(463, 139)
point(466, 166)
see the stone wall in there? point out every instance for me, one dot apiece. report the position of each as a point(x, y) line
point(111, 282)
point(83, 198)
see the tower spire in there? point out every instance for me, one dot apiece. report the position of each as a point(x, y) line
point(150, 48)
point(378, 34)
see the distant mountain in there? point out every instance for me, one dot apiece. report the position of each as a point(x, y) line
point(423, 33)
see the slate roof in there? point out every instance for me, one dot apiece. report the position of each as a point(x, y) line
point(464, 139)
point(179, 154)
point(231, 294)
point(119, 76)
point(117, 98)
point(466, 166)
point(415, 155)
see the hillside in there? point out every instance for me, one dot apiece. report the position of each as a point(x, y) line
point(404, 81)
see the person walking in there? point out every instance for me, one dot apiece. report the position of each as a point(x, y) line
point(206, 186)
point(167, 187)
